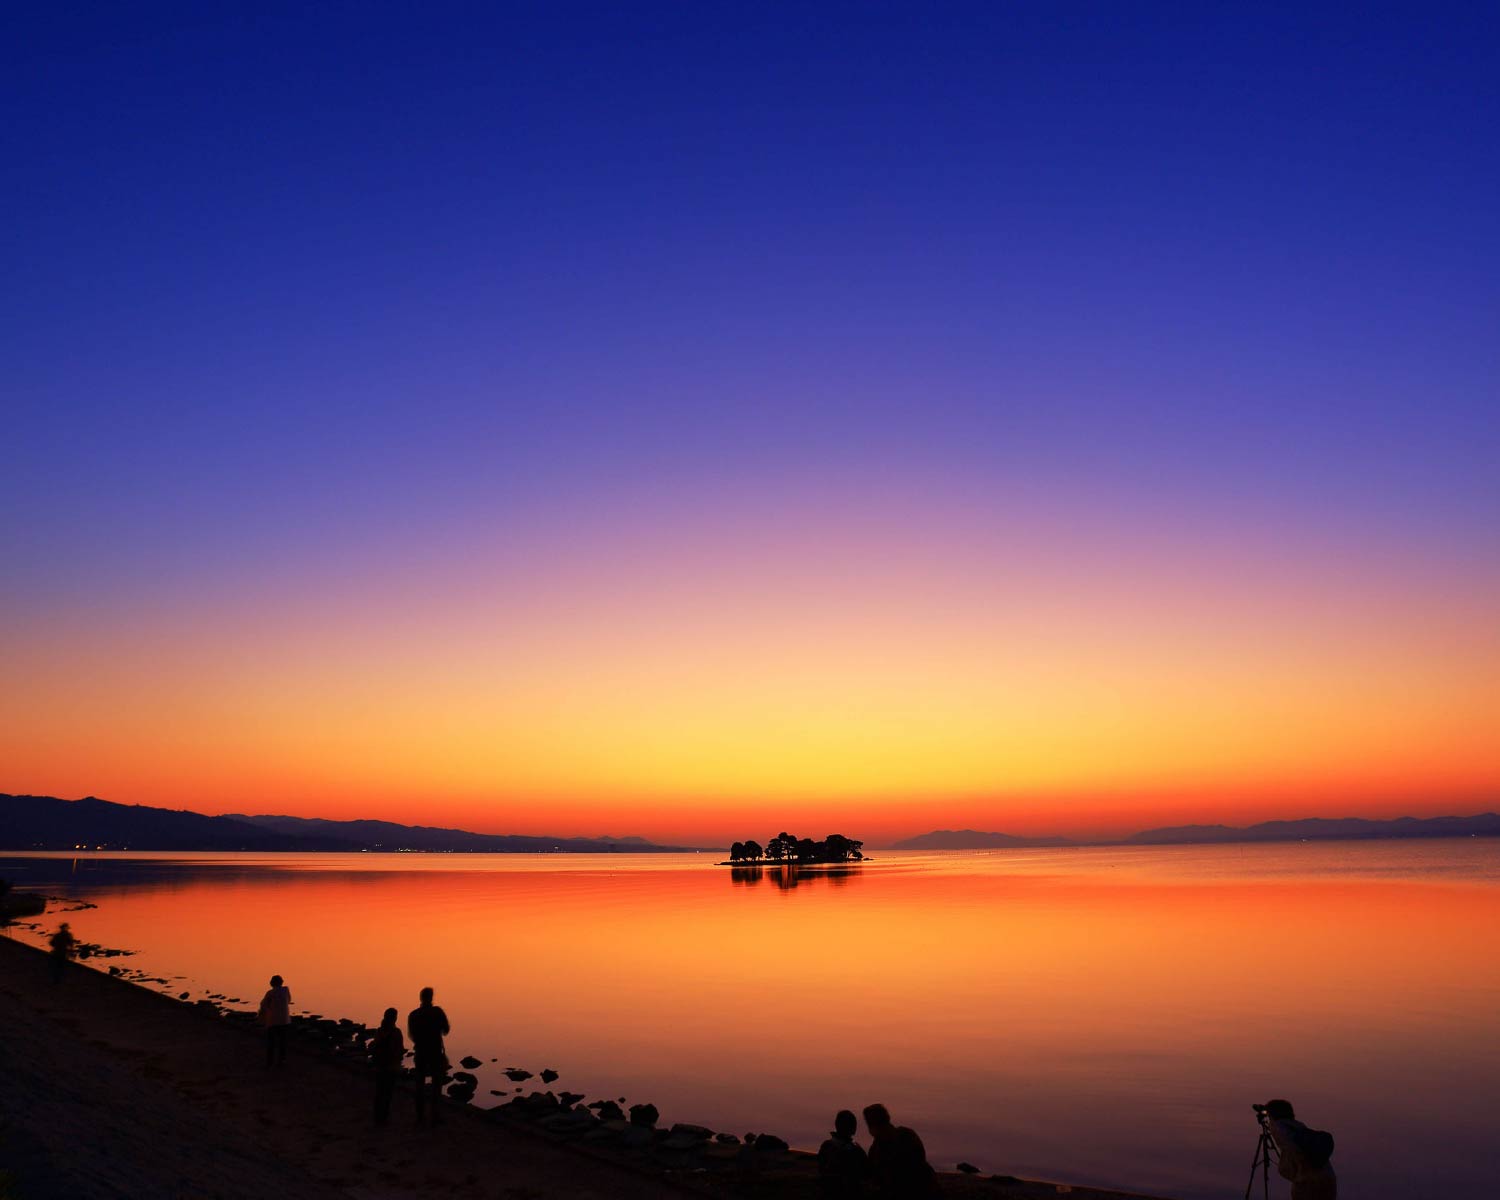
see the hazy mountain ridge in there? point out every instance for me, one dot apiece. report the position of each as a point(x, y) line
point(973, 839)
point(1479, 825)
point(1309, 828)
point(390, 835)
point(50, 823)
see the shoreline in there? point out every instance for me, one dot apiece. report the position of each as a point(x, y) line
point(116, 1089)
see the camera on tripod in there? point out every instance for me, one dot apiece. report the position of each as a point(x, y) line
point(1265, 1154)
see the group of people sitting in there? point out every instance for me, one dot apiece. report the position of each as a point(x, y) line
point(896, 1164)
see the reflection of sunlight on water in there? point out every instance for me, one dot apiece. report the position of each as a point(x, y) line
point(1102, 1014)
point(1456, 860)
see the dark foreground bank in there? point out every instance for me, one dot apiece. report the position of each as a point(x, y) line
point(112, 1090)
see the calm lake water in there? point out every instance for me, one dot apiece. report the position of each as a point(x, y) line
point(1093, 1015)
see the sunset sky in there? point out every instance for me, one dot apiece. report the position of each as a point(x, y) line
point(695, 422)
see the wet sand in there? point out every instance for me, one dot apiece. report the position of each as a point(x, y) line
point(112, 1090)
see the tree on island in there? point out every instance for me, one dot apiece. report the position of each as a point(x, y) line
point(835, 848)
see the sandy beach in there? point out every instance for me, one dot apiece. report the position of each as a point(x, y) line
point(115, 1090)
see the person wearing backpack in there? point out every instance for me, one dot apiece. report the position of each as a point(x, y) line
point(1305, 1153)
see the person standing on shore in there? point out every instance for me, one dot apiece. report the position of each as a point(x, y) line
point(898, 1160)
point(62, 943)
point(387, 1049)
point(427, 1026)
point(276, 1016)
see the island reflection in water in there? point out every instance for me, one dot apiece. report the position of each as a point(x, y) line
point(1093, 1015)
point(790, 876)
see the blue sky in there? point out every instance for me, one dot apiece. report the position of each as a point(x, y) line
point(290, 283)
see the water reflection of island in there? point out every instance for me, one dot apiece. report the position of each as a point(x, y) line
point(791, 875)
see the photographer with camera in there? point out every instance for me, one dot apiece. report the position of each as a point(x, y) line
point(1303, 1153)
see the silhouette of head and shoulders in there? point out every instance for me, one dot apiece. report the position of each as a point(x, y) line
point(842, 1165)
point(427, 1023)
point(898, 1160)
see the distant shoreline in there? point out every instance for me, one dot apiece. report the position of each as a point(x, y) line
point(50, 824)
point(662, 852)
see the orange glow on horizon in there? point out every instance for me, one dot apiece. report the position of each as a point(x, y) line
point(697, 684)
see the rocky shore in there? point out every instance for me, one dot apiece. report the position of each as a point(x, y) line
point(113, 1089)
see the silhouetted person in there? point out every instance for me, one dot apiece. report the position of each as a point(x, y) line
point(1304, 1154)
point(276, 1016)
point(427, 1026)
point(62, 943)
point(898, 1160)
point(842, 1165)
point(387, 1049)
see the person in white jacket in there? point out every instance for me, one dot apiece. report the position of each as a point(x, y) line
point(1311, 1175)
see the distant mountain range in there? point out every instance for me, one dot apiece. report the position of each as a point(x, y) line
point(972, 839)
point(47, 823)
point(1482, 825)
point(387, 835)
point(1313, 828)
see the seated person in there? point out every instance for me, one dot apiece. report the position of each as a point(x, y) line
point(898, 1160)
point(842, 1165)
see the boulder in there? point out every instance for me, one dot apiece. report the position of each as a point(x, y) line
point(768, 1143)
point(608, 1110)
point(644, 1115)
point(727, 1139)
point(573, 1123)
point(637, 1137)
point(548, 1074)
point(22, 906)
point(183, 995)
point(516, 1075)
point(968, 1168)
point(606, 1131)
point(570, 1098)
point(465, 1079)
point(469, 1062)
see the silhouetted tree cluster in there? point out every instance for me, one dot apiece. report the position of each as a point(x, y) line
point(784, 848)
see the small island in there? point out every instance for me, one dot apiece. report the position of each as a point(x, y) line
point(784, 849)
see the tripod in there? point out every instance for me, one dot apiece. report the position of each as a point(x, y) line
point(1265, 1151)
